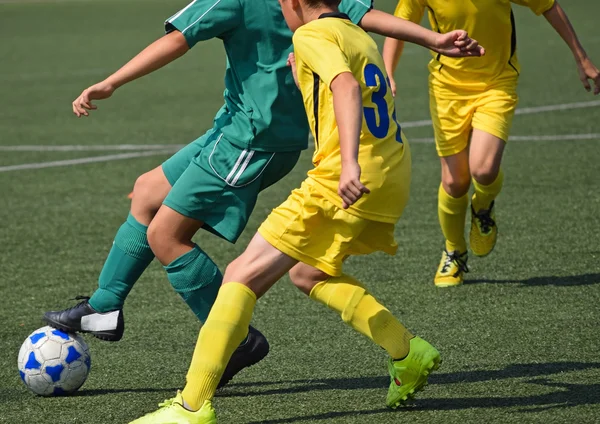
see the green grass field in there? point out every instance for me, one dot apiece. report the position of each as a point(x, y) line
point(520, 340)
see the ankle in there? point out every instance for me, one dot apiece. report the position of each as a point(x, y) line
point(188, 406)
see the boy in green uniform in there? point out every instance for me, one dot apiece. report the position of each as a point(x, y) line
point(213, 183)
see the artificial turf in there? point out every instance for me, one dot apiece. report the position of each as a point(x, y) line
point(520, 339)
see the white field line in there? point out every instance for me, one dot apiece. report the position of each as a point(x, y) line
point(175, 147)
point(172, 149)
point(553, 108)
point(92, 148)
point(522, 111)
point(590, 136)
point(416, 124)
point(81, 161)
point(164, 149)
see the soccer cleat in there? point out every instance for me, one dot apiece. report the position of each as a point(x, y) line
point(83, 318)
point(251, 352)
point(409, 375)
point(451, 270)
point(484, 231)
point(171, 411)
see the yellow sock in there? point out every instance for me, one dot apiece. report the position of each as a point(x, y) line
point(485, 194)
point(362, 312)
point(224, 330)
point(452, 212)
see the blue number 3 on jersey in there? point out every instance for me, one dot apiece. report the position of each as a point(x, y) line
point(373, 77)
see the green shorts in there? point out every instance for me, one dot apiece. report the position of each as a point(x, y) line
point(218, 183)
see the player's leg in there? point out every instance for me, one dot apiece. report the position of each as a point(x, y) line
point(197, 279)
point(411, 359)
point(485, 158)
point(130, 254)
point(246, 279)
point(327, 235)
point(248, 276)
point(358, 308)
point(191, 272)
point(451, 121)
point(217, 192)
point(491, 126)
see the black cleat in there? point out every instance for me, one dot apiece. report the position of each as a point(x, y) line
point(83, 318)
point(246, 355)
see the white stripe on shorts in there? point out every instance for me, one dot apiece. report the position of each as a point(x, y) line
point(235, 167)
point(243, 167)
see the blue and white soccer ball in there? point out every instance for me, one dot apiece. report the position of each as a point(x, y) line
point(52, 362)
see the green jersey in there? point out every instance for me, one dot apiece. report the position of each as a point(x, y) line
point(263, 109)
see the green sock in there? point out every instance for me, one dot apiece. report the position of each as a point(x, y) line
point(197, 279)
point(129, 256)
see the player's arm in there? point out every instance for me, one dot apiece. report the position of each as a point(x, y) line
point(347, 105)
point(403, 26)
point(199, 21)
point(158, 54)
point(392, 51)
point(317, 52)
point(559, 20)
point(453, 44)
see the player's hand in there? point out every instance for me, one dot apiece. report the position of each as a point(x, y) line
point(392, 82)
point(588, 71)
point(458, 44)
point(291, 62)
point(83, 103)
point(350, 188)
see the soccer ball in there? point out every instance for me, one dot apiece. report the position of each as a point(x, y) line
point(52, 362)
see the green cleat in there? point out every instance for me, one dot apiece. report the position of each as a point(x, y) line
point(409, 375)
point(172, 411)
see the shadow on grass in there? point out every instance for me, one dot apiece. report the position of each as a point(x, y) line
point(568, 395)
point(307, 385)
point(571, 280)
point(326, 416)
point(571, 395)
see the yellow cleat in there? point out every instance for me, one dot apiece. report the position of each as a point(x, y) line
point(451, 270)
point(172, 412)
point(484, 231)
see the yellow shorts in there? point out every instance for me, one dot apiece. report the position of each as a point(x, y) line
point(311, 229)
point(454, 118)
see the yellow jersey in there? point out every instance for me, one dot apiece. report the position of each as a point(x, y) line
point(325, 48)
point(491, 22)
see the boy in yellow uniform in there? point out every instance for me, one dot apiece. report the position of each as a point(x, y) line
point(348, 205)
point(472, 104)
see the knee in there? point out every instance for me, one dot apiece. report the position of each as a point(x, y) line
point(485, 175)
point(159, 241)
point(231, 271)
point(303, 280)
point(146, 195)
point(456, 185)
point(242, 270)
